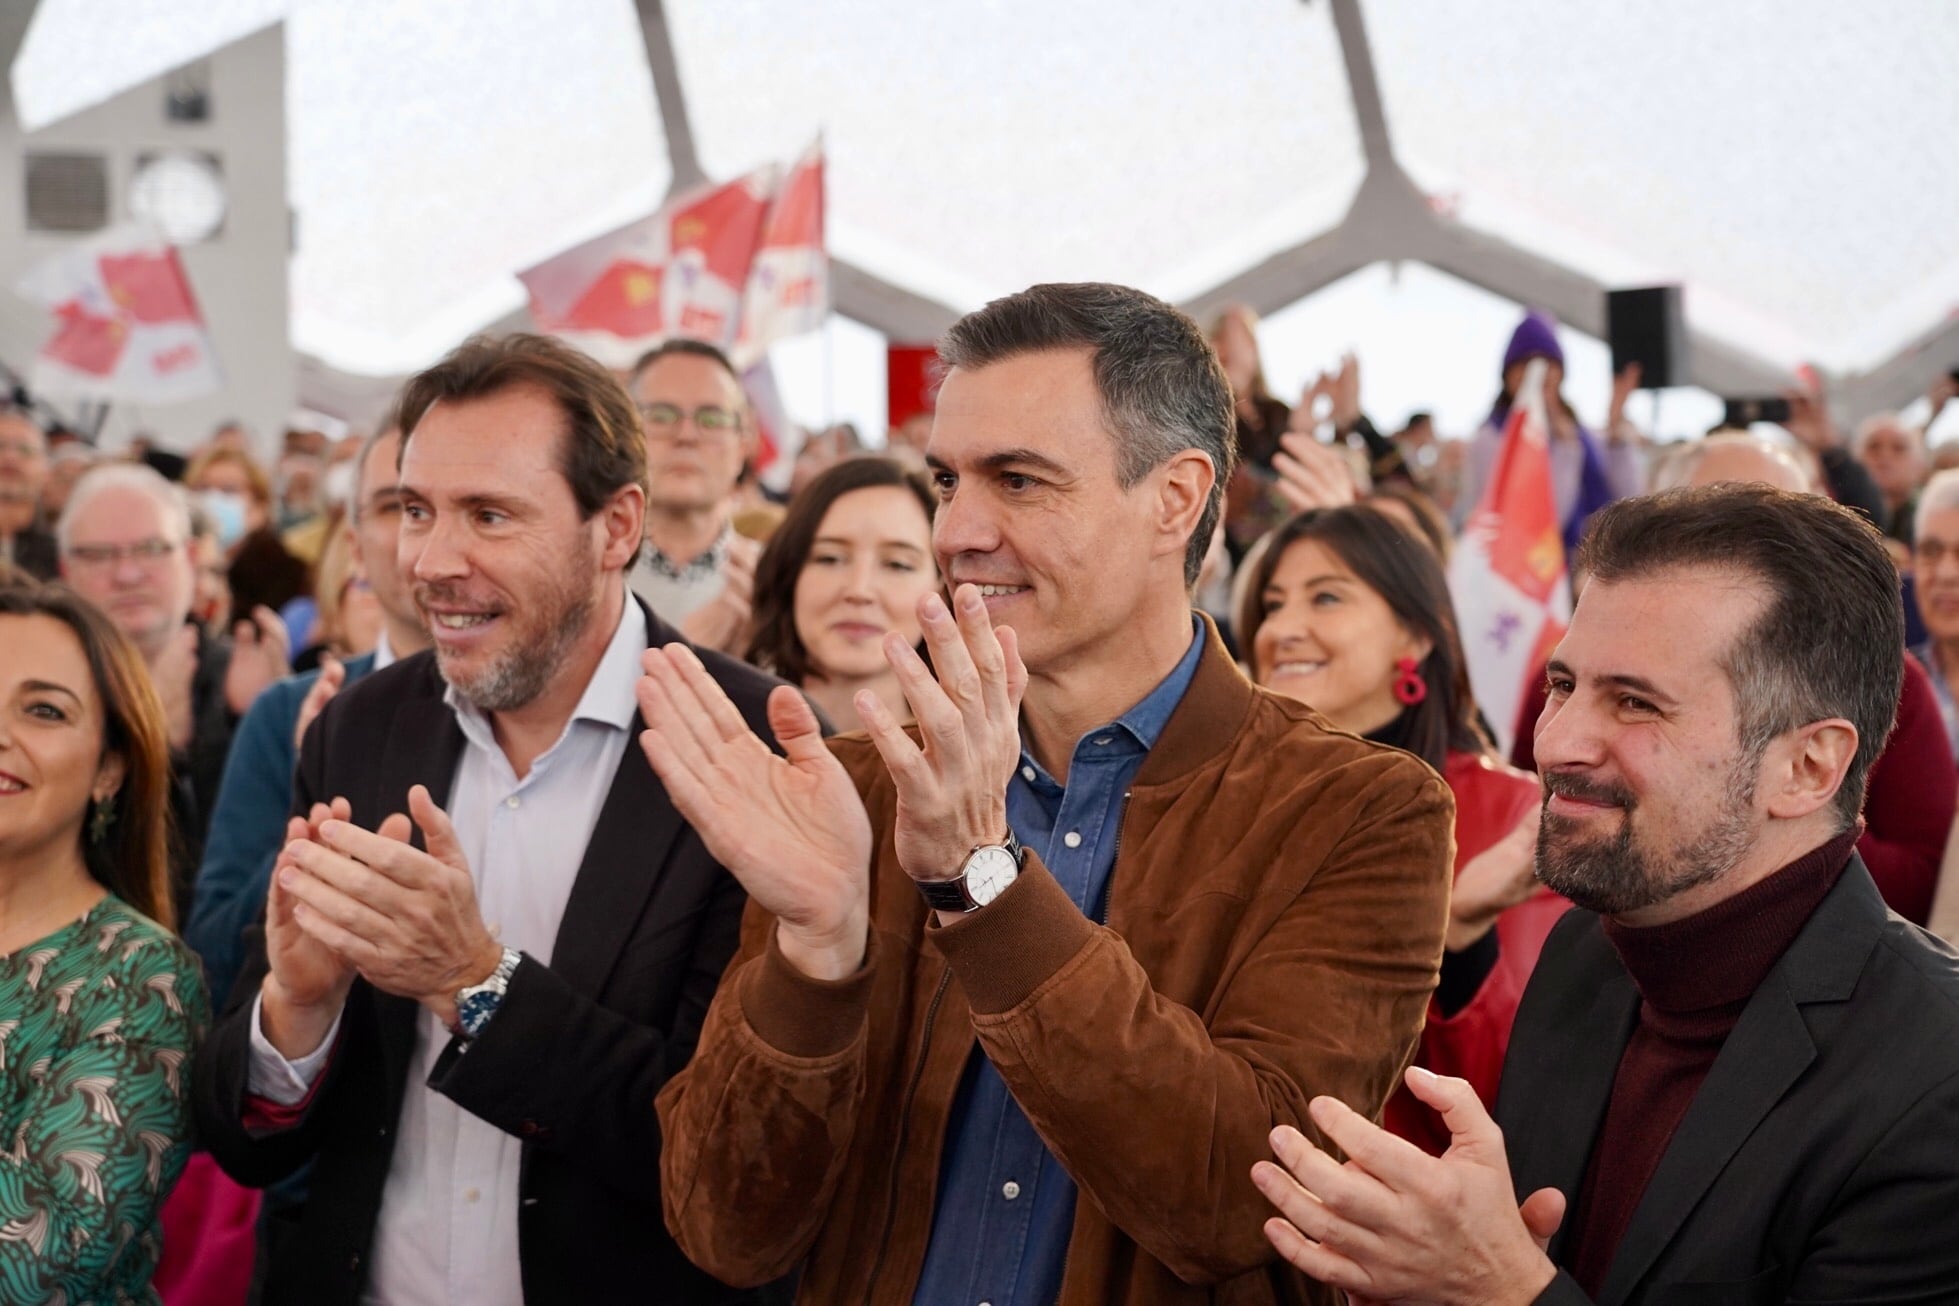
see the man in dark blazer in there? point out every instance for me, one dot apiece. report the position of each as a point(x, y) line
point(1734, 1077)
point(463, 1022)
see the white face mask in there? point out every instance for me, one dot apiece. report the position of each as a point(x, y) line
point(227, 512)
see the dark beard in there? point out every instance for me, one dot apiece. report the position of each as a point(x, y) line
point(1618, 873)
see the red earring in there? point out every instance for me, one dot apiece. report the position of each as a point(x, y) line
point(1409, 687)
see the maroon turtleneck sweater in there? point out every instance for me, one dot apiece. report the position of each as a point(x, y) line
point(1694, 976)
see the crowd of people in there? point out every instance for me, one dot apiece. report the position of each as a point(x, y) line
point(514, 856)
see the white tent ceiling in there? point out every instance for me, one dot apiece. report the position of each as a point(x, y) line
point(1789, 160)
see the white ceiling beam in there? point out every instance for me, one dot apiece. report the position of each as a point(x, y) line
point(682, 157)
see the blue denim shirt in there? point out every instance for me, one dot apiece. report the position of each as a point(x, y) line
point(1006, 1207)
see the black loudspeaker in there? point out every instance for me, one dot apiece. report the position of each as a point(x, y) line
point(1646, 326)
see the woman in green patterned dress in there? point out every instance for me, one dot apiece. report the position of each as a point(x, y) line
point(99, 1002)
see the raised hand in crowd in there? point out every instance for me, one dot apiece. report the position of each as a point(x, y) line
point(1810, 420)
point(333, 674)
point(1493, 881)
point(309, 981)
point(1396, 1224)
point(259, 657)
point(722, 624)
point(405, 919)
point(1942, 392)
point(792, 829)
point(1313, 474)
point(1344, 389)
point(173, 673)
point(1618, 428)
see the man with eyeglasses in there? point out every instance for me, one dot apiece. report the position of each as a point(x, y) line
point(24, 542)
point(123, 538)
point(694, 570)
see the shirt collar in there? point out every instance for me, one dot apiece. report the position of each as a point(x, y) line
point(384, 652)
point(702, 566)
point(1144, 722)
point(609, 698)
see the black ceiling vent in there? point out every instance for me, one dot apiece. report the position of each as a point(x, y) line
point(67, 192)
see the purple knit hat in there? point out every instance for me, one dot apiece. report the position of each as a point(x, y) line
point(1535, 337)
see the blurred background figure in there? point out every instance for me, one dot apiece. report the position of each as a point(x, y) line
point(1893, 452)
point(25, 540)
point(232, 487)
point(125, 547)
point(102, 1005)
point(1349, 612)
point(1586, 472)
point(846, 568)
point(695, 570)
point(1252, 504)
point(67, 462)
point(1935, 577)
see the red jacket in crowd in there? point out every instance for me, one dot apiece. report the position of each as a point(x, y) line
point(1470, 1044)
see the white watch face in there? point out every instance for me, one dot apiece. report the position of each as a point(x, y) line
point(988, 872)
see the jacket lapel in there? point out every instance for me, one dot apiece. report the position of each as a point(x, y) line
point(1768, 1050)
point(636, 830)
point(1558, 1076)
point(424, 747)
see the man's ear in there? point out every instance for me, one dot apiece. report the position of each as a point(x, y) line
point(1805, 768)
point(622, 523)
point(1183, 490)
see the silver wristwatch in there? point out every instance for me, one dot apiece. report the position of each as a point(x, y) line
point(983, 876)
point(477, 1003)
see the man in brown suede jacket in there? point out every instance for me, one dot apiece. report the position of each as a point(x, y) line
point(1024, 989)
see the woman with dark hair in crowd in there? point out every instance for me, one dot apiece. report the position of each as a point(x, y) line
point(1348, 611)
point(100, 1003)
point(846, 567)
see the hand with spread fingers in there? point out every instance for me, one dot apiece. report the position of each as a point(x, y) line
point(1394, 1224)
point(792, 828)
point(407, 920)
point(952, 792)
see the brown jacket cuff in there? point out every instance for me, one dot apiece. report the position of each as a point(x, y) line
point(800, 1015)
point(1008, 948)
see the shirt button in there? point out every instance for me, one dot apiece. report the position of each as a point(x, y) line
point(470, 1195)
point(514, 801)
point(1010, 1190)
point(1027, 774)
point(1073, 839)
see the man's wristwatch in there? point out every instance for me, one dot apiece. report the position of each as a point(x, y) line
point(477, 1003)
point(984, 876)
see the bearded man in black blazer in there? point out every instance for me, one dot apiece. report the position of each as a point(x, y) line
point(1734, 1077)
point(490, 939)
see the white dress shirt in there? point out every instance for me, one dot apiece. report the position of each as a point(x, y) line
point(447, 1229)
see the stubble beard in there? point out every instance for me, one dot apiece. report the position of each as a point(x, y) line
point(516, 676)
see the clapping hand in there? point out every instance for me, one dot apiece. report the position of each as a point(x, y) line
point(1394, 1224)
point(952, 790)
point(1313, 475)
point(258, 658)
point(792, 829)
point(407, 920)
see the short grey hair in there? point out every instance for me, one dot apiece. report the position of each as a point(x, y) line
point(140, 477)
point(1886, 422)
point(1940, 494)
point(1162, 388)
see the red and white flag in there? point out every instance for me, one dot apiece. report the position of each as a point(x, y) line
point(789, 284)
point(680, 272)
point(1512, 597)
point(127, 322)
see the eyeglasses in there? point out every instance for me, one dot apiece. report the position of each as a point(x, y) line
point(148, 552)
point(709, 419)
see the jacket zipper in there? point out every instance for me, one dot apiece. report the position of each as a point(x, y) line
point(904, 1128)
point(1101, 918)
